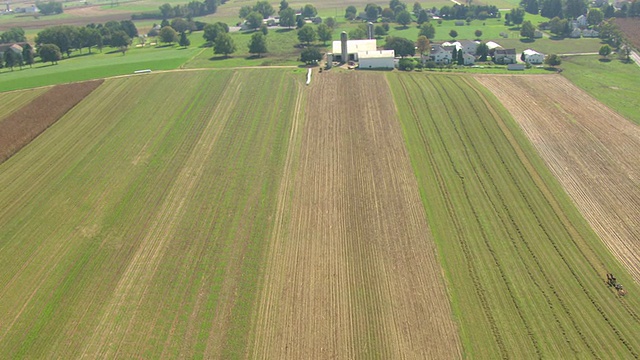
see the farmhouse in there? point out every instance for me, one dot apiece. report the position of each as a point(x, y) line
point(467, 46)
point(15, 47)
point(504, 56)
point(532, 57)
point(468, 59)
point(376, 59)
point(440, 55)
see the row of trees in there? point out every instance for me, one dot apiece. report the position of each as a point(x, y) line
point(68, 38)
point(572, 9)
point(15, 34)
point(398, 12)
point(192, 9)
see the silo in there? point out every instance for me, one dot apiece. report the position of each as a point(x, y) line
point(329, 61)
point(370, 30)
point(343, 44)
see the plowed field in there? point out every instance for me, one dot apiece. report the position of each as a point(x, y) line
point(352, 269)
point(589, 148)
point(25, 123)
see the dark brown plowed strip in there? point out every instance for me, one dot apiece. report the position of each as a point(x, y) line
point(25, 124)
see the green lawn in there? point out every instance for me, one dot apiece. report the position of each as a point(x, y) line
point(525, 272)
point(614, 83)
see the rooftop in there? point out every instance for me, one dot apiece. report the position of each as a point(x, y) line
point(355, 46)
point(376, 54)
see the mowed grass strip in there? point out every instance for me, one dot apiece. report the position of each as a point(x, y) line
point(24, 124)
point(526, 273)
point(79, 203)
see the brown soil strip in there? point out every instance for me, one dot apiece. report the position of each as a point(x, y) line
point(631, 29)
point(352, 269)
point(22, 126)
point(589, 148)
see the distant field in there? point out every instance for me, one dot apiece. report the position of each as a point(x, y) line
point(614, 83)
point(524, 270)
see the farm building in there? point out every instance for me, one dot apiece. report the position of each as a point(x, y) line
point(15, 47)
point(352, 48)
point(467, 46)
point(493, 45)
point(440, 55)
point(376, 59)
point(532, 57)
point(504, 56)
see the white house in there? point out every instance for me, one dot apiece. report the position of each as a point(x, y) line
point(376, 59)
point(468, 59)
point(440, 55)
point(504, 56)
point(575, 33)
point(581, 21)
point(467, 46)
point(532, 57)
point(493, 45)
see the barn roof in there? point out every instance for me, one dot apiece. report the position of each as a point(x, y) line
point(355, 46)
point(376, 54)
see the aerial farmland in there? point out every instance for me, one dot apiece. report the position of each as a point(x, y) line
point(225, 208)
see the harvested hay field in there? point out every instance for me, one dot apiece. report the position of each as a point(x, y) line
point(32, 118)
point(352, 270)
point(14, 100)
point(526, 274)
point(589, 148)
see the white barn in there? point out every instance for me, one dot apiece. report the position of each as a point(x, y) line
point(376, 59)
point(353, 48)
point(532, 57)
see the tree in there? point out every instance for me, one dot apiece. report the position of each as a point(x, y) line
point(254, 20)
point(10, 59)
point(264, 29)
point(310, 56)
point(379, 31)
point(460, 57)
point(184, 40)
point(402, 47)
point(388, 14)
point(559, 27)
point(527, 30)
point(417, 8)
point(423, 44)
point(49, 53)
point(307, 34)
point(478, 34)
point(553, 60)
point(516, 16)
point(372, 11)
point(595, 17)
point(288, 17)
point(531, 6)
point(258, 44)
point(300, 22)
point(397, 4)
point(423, 17)
point(357, 34)
point(168, 35)
point(264, 8)
point(605, 51)
point(331, 22)
point(15, 34)
point(325, 33)
point(406, 64)
point(245, 11)
point(224, 45)
point(453, 34)
point(575, 8)
point(166, 10)
point(180, 25)
point(351, 12)
point(403, 18)
point(27, 54)
point(309, 11)
point(211, 31)
point(283, 5)
point(49, 8)
point(428, 30)
point(129, 28)
point(551, 8)
point(120, 39)
point(482, 51)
